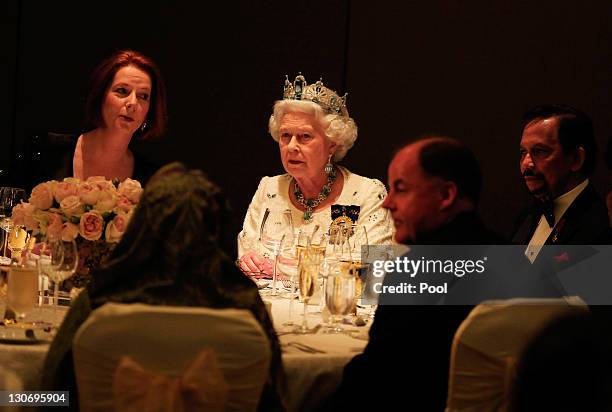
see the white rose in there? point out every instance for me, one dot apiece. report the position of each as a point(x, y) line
point(131, 189)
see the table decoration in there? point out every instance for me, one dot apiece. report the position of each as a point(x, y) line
point(93, 212)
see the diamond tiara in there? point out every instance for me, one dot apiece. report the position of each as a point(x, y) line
point(316, 93)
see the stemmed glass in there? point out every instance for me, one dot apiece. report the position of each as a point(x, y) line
point(353, 251)
point(339, 296)
point(310, 264)
point(276, 233)
point(17, 240)
point(289, 265)
point(58, 260)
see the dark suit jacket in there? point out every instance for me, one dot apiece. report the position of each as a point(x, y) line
point(48, 156)
point(585, 222)
point(405, 364)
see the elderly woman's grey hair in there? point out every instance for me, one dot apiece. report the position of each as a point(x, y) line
point(339, 129)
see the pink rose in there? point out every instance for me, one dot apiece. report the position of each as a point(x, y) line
point(88, 192)
point(101, 183)
point(123, 204)
point(106, 185)
point(131, 189)
point(42, 196)
point(64, 189)
point(72, 206)
point(116, 228)
point(91, 225)
point(106, 201)
point(23, 214)
point(54, 227)
point(69, 231)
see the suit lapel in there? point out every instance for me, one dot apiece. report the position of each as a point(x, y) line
point(526, 229)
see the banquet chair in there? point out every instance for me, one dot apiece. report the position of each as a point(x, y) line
point(487, 345)
point(137, 357)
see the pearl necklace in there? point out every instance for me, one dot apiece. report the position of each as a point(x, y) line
point(311, 204)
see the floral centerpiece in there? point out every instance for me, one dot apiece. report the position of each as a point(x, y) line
point(94, 213)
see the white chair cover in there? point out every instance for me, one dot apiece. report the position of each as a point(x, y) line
point(489, 342)
point(132, 357)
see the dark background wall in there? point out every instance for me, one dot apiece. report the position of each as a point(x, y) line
point(464, 69)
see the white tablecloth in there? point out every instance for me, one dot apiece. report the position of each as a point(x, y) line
point(311, 377)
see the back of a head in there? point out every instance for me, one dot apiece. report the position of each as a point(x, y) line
point(575, 130)
point(451, 160)
point(566, 367)
point(173, 232)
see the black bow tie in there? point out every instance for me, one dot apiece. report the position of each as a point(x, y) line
point(546, 209)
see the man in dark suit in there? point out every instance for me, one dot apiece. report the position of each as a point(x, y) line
point(558, 154)
point(434, 190)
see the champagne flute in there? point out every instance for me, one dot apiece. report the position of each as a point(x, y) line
point(22, 292)
point(309, 268)
point(339, 297)
point(276, 233)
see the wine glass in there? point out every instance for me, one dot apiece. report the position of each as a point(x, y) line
point(339, 297)
point(17, 240)
point(22, 292)
point(310, 264)
point(289, 264)
point(276, 233)
point(58, 261)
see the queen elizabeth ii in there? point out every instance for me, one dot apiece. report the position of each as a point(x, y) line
point(314, 132)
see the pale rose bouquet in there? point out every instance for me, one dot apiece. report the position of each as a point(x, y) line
point(94, 212)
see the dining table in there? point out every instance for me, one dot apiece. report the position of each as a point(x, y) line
point(313, 361)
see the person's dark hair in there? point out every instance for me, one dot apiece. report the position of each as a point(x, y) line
point(575, 130)
point(102, 78)
point(171, 242)
point(451, 160)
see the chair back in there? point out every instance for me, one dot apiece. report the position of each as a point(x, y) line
point(136, 357)
point(487, 345)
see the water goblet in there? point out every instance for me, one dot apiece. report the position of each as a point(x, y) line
point(59, 260)
point(339, 297)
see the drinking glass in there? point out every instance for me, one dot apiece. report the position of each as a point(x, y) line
point(17, 240)
point(339, 297)
point(9, 198)
point(276, 233)
point(58, 260)
point(309, 266)
point(22, 292)
point(289, 264)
